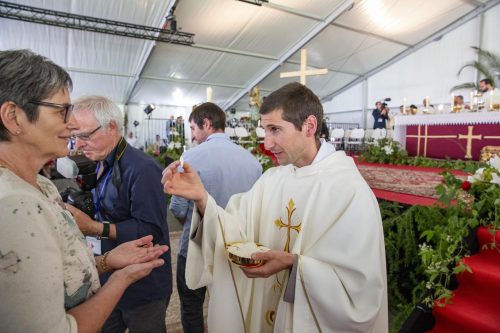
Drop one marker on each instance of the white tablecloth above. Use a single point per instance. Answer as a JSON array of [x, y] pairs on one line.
[[400, 121]]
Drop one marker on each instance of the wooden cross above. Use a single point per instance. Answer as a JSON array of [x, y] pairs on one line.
[[469, 138], [290, 210], [303, 71]]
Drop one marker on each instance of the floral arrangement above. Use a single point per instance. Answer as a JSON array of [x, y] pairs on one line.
[[387, 151], [384, 151]]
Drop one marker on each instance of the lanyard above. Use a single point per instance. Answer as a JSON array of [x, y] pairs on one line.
[[99, 194]]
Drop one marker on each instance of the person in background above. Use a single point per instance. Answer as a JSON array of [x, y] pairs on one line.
[[132, 140], [458, 101], [491, 95], [158, 145], [49, 279], [129, 204], [379, 116], [325, 270], [225, 169]]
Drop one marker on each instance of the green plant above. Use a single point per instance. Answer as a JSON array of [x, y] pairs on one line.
[[425, 245], [488, 65]]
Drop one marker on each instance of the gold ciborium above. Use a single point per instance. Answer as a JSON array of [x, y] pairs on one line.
[[456, 108], [413, 111], [495, 107], [240, 253]]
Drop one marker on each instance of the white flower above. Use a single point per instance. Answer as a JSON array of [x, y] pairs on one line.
[[477, 177], [177, 145], [170, 145], [495, 162], [495, 179], [388, 150]]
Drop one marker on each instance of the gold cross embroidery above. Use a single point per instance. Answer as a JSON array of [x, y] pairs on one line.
[[290, 210], [425, 136], [469, 138]]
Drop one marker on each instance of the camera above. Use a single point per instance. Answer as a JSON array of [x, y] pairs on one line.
[[81, 169]]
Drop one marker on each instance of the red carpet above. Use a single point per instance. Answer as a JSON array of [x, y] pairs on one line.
[[406, 184], [476, 302]]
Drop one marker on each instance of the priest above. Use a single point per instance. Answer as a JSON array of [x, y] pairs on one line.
[[325, 271]]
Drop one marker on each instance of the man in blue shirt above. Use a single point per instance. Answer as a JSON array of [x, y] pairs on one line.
[[225, 169], [130, 204]]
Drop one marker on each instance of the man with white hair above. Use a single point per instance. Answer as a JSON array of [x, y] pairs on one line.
[[129, 204]]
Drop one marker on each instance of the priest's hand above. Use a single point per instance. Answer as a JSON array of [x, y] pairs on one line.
[[274, 262], [185, 184]]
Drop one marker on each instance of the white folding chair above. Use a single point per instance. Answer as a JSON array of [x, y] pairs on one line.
[[379, 133], [242, 134], [230, 133], [259, 131], [337, 137], [355, 140]]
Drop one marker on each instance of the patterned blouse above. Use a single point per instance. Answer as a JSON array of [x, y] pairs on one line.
[[46, 266]]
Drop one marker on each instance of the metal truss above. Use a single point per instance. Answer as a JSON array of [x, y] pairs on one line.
[[87, 23]]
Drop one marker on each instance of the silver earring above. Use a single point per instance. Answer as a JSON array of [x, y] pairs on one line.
[[18, 132]]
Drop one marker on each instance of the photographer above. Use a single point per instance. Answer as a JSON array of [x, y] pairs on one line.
[[48, 277], [380, 115], [129, 203]]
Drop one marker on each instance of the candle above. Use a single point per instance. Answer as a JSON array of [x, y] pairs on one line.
[[258, 123], [209, 94], [491, 99], [426, 102], [472, 100], [452, 103], [404, 105]]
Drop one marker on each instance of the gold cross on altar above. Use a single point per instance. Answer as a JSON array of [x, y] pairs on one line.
[[303, 71], [290, 210], [469, 138]]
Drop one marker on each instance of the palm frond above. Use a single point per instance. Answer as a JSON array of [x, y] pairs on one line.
[[481, 68], [468, 85], [492, 59]]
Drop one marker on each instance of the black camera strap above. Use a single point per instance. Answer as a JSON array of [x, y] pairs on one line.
[[116, 176], [114, 172]]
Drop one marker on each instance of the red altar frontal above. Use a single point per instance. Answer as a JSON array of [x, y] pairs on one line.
[[457, 136]]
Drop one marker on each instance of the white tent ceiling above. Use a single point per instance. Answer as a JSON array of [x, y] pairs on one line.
[[237, 44]]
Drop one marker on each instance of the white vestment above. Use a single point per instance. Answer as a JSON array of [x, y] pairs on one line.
[[340, 283]]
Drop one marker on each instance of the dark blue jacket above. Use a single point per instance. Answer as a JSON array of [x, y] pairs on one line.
[[138, 207]]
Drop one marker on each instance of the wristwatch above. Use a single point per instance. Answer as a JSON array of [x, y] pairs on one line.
[[105, 230]]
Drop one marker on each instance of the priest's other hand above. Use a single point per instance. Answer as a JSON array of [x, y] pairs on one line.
[[185, 184], [274, 262]]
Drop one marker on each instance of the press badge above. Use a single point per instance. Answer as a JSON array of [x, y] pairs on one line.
[[95, 245]]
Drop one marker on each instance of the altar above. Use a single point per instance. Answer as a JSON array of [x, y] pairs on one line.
[[453, 135]]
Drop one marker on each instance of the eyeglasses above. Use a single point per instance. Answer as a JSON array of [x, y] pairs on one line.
[[86, 136], [68, 108]]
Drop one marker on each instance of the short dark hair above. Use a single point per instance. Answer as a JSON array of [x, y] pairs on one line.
[[487, 81], [297, 102], [26, 76], [209, 111]]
